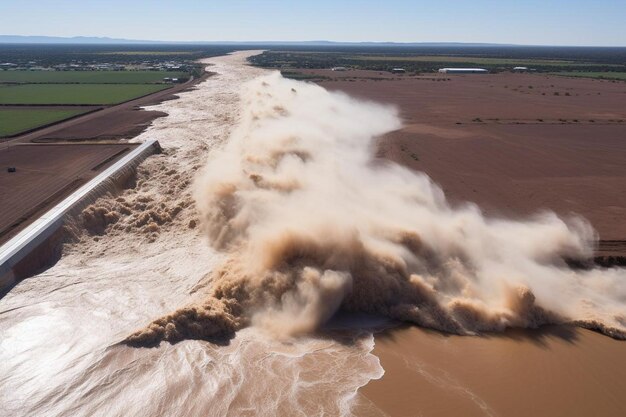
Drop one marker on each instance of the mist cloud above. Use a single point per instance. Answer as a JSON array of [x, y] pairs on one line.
[[312, 223]]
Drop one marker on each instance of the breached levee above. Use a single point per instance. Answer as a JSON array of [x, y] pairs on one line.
[[309, 223]]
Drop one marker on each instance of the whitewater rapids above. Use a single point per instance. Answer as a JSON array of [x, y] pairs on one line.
[[60, 351], [202, 290]]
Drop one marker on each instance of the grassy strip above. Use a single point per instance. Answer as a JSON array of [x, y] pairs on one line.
[[589, 74], [13, 122], [86, 94], [89, 77]]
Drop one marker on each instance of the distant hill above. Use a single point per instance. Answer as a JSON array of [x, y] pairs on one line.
[[112, 41], [73, 40]]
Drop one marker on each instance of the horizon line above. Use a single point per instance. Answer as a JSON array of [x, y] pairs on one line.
[[106, 40]]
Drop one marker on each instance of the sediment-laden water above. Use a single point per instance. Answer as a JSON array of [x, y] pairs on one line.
[[142, 257], [206, 288]]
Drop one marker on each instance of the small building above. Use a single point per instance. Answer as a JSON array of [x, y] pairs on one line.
[[339, 69], [463, 71], [398, 71]]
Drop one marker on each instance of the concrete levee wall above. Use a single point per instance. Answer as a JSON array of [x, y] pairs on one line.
[[36, 245]]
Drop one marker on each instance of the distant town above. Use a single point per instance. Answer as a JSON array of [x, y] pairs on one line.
[[97, 66]]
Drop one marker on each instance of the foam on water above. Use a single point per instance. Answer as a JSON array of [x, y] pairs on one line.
[[288, 222], [60, 351]]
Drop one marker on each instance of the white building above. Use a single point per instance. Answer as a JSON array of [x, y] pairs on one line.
[[463, 71]]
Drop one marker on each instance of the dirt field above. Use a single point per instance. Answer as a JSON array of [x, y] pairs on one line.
[[123, 124], [509, 143], [45, 174]]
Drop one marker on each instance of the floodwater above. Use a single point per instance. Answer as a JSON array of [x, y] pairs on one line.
[[552, 371], [62, 350]]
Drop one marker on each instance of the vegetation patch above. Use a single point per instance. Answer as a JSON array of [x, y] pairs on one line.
[[14, 121], [295, 75], [90, 77], [493, 59], [80, 94]]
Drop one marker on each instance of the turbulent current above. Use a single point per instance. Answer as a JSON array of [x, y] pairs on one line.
[[202, 290], [61, 331]]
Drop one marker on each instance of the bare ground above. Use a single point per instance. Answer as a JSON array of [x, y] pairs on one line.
[[509, 144], [45, 174]]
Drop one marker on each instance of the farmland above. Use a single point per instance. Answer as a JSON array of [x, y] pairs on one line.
[[511, 142], [13, 121], [79, 94], [80, 89], [67, 111], [430, 59], [31, 89], [36, 80], [89, 77], [449, 59], [45, 175], [474, 60]]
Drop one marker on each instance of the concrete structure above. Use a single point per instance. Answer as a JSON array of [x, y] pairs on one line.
[[32, 249], [463, 71]]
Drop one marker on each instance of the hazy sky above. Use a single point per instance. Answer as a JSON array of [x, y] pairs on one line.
[[539, 22]]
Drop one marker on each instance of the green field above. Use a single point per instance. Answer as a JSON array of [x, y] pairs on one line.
[[37, 94], [89, 77], [148, 53], [16, 121], [588, 74]]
